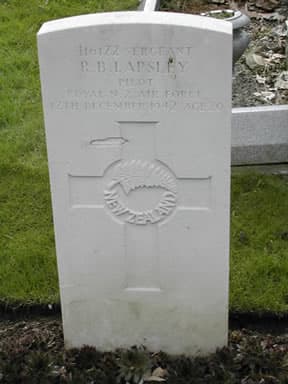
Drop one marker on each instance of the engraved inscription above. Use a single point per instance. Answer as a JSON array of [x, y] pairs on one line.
[[138, 66], [136, 76], [110, 59], [132, 175], [135, 51]]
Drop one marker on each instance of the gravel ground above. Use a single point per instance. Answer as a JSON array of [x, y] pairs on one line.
[[258, 85], [31, 351], [257, 73]]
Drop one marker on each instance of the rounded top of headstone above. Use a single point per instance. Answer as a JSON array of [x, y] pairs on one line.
[[134, 17]]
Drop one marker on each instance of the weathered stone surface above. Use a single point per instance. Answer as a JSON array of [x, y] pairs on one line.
[[137, 115]]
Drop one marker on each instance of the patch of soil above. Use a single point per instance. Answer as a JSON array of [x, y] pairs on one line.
[[32, 351], [258, 75]]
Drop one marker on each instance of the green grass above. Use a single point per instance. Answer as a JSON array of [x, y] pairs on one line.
[[259, 231], [259, 243], [27, 256]]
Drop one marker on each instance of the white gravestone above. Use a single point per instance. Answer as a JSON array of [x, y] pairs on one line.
[[137, 115]]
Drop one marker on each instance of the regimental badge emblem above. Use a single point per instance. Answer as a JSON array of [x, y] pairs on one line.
[[130, 177]]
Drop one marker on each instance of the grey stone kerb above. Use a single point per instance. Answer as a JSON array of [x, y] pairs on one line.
[[260, 135]]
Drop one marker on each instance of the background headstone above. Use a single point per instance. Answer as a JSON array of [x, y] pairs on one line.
[[137, 114]]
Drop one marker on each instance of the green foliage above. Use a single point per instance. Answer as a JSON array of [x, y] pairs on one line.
[[27, 256], [134, 364], [259, 246], [27, 263]]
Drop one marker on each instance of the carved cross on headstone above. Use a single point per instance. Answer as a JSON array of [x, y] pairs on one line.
[[141, 192]]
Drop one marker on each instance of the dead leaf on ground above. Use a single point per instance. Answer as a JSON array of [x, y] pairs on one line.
[[282, 81], [274, 16], [253, 60], [280, 30], [217, 1], [267, 5], [158, 375], [271, 16], [265, 95], [154, 379], [260, 79]]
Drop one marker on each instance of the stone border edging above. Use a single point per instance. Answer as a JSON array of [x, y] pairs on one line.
[[260, 135]]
